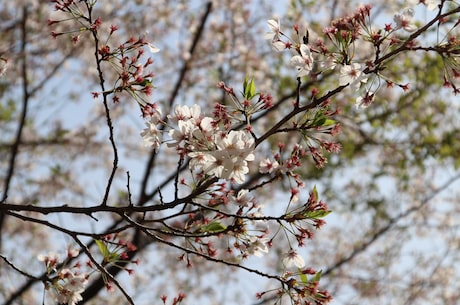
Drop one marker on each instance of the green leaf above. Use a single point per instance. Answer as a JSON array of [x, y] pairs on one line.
[[315, 193], [319, 121], [329, 122], [112, 257], [213, 227], [316, 214], [303, 277], [103, 248], [317, 276], [249, 88]]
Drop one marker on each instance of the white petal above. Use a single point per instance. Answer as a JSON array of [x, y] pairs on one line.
[[153, 48]]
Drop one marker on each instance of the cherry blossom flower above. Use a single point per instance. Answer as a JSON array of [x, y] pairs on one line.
[[292, 258], [227, 166], [51, 260], [183, 132], [68, 290], [352, 75], [204, 132], [275, 34], [365, 101], [185, 113], [267, 166], [72, 252], [151, 134], [329, 64], [151, 109], [201, 160], [275, 28], [243, 198], [404, 20], [303, 62], [229, 158], [258, 246]]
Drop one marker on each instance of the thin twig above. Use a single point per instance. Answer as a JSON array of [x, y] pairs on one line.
[[19, 270]]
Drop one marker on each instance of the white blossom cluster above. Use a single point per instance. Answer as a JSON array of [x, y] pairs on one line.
[[213, 150], [67, 284]]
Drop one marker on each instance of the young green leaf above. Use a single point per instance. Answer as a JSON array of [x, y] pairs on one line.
[[103, 248], [213, 227], [249, 88], [316, 214], [315, 193], [317, 276], [303, 277]]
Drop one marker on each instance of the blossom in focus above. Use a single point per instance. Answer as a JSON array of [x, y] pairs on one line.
[[185, 113], [68, 290], [229, 158], [183, 132], [292, 258], [352, 74], [303, 62], [404, 20]]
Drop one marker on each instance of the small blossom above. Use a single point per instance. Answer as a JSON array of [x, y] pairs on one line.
[[68, 290], [292, 258], [404, 20], [185, 113], [328, 64], [51, 260], [243, 198], [267, 166], [72, 252], [274, 35], [364, 101], [352, 75], [303, 62], [258, 246], [113, 28], [228, 160], [184, 131], [275, 28], [151, 134]]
